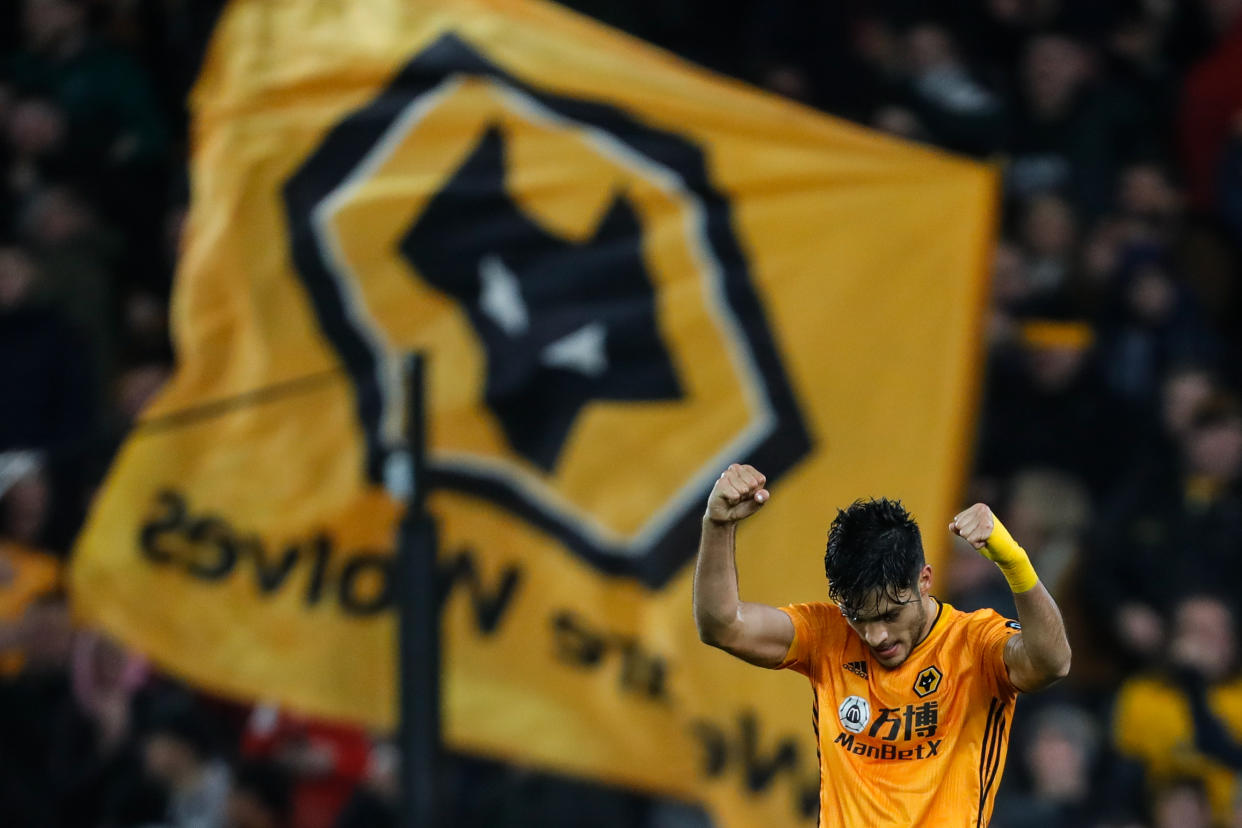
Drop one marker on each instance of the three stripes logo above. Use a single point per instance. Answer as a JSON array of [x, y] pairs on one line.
[[858, 668], [575, 276]]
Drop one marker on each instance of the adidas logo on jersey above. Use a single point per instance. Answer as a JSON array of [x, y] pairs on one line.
[[858, 668]]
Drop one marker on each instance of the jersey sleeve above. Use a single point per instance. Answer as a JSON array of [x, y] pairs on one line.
[[992, 632], [812, 626]]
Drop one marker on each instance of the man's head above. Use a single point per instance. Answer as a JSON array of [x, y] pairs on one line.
[[1056, 353], [1204, 637], [878, 577], [1054, 69], [1213, 443], [1181, 803], [1183, 391], [1050, 229], [930, 47], [26, 506], [1060, 753], [50, 23]]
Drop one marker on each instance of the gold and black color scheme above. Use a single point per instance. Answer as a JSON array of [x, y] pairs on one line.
[[928, 681], [626, 273]]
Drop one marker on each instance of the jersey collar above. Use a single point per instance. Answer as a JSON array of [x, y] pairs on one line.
[[936, 625]]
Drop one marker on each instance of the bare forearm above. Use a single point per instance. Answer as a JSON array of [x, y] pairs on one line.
[[755, 633], [716, 600], [1041, 654], [1044, 643]]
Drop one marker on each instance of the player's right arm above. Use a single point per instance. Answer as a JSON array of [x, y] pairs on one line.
[[756, 633]]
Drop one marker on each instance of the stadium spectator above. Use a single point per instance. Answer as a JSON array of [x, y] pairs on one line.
[[1186, 389], [106, 96], [1060, 761], [115, 135], [899, 121], [956, 110], [46, 381], [46, 386], [1070, 133], [76, 257], [1149, 203], [1182, 803], [1049, 234], [1150, 322], [1155, 722], [36, 133], [179, 754], [1045, 405], [823, 54], [1168, 535], [25, 505], [1012, 291]]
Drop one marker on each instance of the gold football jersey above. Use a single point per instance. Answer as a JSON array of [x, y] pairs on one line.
[[923, 744]]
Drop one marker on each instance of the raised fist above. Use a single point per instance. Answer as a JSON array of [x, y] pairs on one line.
[[738, 494], [975, 525]]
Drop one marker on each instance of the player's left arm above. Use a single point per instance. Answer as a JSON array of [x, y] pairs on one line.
[[1040, 654]]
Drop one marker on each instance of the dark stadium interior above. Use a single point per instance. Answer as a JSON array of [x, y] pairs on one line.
[[1110, 430]]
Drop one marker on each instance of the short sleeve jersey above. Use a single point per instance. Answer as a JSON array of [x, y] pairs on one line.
[[923, 744]]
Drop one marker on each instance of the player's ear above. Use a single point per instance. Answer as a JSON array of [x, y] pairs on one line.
[[925, 580]]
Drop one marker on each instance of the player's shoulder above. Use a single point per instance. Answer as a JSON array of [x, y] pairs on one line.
[[818, 610], [819, 616], [978, 623]]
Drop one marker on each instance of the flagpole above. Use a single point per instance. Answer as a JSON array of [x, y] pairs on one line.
[[418, 624]]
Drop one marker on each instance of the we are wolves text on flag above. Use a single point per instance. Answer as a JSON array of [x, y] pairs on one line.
[[628, 273]]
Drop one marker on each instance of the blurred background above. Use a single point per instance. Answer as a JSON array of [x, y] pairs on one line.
[[1109, 434]]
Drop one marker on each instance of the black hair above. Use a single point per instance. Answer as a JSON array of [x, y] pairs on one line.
[[874, 549]]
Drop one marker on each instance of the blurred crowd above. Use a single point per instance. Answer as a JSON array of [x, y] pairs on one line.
[[1110, 435]]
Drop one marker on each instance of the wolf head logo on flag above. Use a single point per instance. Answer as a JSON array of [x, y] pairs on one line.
[[566, 242]]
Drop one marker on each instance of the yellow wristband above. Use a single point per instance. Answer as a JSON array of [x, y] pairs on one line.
[[1012, 559]]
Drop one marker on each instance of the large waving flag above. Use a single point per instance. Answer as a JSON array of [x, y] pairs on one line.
[[627, 273]]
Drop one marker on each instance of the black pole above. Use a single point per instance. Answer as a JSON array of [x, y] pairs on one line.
[[418, 628]]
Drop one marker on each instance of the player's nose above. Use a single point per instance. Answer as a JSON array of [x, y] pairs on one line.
[[876, 636]]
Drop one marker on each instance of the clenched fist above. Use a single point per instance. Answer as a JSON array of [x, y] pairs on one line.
[[975, 525], [738, 494]]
